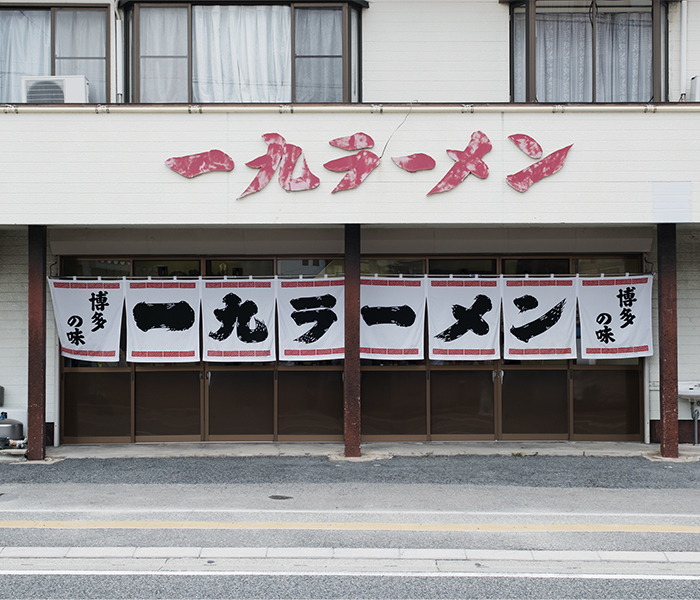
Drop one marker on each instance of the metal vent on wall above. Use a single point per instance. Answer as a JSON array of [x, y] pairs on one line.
[[55, 89], [45, 92]]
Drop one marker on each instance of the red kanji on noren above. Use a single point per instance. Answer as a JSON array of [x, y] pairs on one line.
[[468, 161]]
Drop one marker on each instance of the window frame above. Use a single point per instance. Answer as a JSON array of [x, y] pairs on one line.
[[53, 9], [133, 42], [659, 52]]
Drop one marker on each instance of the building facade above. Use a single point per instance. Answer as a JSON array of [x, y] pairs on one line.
[[498, 138]]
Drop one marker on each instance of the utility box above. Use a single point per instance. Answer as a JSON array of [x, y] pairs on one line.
[[689, 390], [9, 428], [63, 89]]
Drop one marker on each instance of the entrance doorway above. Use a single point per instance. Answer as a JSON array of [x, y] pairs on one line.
[[401, 400]]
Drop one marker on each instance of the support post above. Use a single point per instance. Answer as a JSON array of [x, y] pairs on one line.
[[36, 377], [352, 415], [668, 339]]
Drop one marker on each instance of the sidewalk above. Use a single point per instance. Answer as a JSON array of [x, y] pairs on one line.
[[337, 554], [370, 450]]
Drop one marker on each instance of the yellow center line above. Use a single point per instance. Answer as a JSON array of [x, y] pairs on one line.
[[356, 526]]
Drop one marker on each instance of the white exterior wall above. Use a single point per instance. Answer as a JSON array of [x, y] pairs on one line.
[[14, 339], [688, 294], [83, 168], [62, 168], [436, 51]]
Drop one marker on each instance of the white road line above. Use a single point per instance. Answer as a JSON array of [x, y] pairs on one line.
[[543, 513], [394, 575]]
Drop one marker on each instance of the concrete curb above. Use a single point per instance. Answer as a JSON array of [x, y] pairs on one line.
[[468, 554], [370, 450]]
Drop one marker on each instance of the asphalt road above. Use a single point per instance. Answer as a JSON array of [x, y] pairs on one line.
[[349, 587], [517, 471], [526, 527]]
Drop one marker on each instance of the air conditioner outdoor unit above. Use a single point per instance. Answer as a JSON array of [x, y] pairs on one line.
[[63, 89]]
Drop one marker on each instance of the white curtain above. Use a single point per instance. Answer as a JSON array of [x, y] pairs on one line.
[[88, 318], [311, 316], [392, 318], [564, 52], [318, 44], [615, 316], [25, 49], [518, 58], [564, 57], [162, 321], [464, 318], [241, 54], [624, 66], [354, 56], [539, 318], [163, 60], [81, 48], [238, 320]]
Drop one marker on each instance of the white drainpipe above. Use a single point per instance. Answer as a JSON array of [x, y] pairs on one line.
[[647, 403], [684, 44]]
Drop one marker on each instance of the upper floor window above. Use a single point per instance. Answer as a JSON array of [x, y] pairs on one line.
[[244, 53], [583, 51], [55, 41]]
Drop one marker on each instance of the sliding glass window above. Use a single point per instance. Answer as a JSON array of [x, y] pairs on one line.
[[600, 51], [268, 53], [45, 43]]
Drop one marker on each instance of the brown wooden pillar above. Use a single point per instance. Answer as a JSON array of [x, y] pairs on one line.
[[668, 339], [352, 415], [36, 378]]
